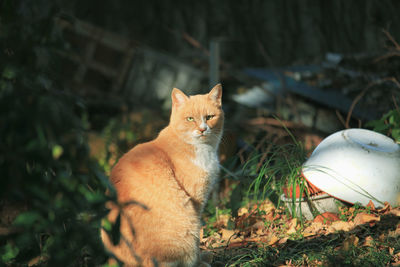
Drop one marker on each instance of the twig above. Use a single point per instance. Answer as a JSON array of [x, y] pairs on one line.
[[360, 95], [388, 55], [274, 122], [241, 153], [353, 104], [195, 43], [340, 117], [394, 80], [395, 51], [265, 138], [390, 37], [265, 154]]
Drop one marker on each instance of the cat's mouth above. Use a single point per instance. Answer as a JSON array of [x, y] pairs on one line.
[[201, 136]]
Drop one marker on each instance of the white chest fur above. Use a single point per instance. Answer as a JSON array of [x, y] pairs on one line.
[[207, 159]]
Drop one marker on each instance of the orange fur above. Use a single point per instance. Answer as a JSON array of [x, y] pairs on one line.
[[172, 176]]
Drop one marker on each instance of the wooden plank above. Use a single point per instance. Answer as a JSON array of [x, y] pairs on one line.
[[109, 39], [98, 37]]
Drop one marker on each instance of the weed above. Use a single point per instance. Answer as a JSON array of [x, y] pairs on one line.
[[347, 213], [388, 124], [282, 168]]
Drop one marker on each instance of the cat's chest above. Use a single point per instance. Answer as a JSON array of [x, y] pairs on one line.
[[206, 159]]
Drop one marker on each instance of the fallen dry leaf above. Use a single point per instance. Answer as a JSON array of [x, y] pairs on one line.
[[352, 210], [258, 225], [308, 234], [273, 240], [291, 230], [201, 234], [340, 226], [267, 206], [371, 205], [288, 263], [283, 240], [313, 229], [395, 212], [394, 233], [292, 226], [362, 218], [242, 211], [382, 237], [277, 216], [396, 259], [222, 220], [254, 239], [260, 231], [326, 218], [386, 208], [226, 234], [245, 221], [216, 245], [348, 212], [211, 241], [34, 261], [269, 216], [368, 242]]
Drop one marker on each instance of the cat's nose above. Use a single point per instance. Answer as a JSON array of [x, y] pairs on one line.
[[202, 127]]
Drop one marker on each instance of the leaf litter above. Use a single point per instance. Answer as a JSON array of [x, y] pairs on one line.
[[262, 225]]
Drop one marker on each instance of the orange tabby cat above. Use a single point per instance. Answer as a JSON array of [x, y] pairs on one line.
[[172, 177]]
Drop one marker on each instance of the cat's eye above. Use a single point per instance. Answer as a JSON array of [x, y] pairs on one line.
[[209, 117], [190, 119]]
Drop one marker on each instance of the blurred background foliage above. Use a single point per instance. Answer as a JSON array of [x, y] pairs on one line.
[[51, 191], [288, 31], [52, 185]]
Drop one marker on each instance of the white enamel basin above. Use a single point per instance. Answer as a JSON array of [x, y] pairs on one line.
[[356, 165]]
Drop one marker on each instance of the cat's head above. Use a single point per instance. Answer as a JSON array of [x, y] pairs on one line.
[[198, 119]]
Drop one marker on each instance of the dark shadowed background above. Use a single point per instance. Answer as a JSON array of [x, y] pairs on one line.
[[83, 81]]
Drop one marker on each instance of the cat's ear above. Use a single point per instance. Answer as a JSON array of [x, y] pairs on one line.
[[178, 97], [216, 94]]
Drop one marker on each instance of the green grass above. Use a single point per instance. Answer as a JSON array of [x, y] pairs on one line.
[[320, 251], [264, 176], [281, 168]]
